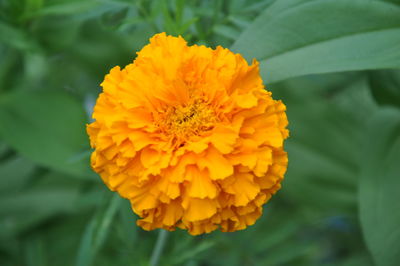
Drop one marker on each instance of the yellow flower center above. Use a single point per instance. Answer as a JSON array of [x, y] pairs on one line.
[[188, 120]]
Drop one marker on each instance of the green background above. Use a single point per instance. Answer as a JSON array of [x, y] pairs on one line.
[[335, 64]]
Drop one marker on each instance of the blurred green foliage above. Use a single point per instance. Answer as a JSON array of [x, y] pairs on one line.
[[339, 204]]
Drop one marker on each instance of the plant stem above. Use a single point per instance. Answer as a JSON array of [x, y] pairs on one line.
[[158, 248]]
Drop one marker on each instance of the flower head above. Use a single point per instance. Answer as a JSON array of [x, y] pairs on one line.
[[190, 136]]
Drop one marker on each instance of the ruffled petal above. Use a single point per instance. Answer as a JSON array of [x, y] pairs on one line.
[[190, 137]]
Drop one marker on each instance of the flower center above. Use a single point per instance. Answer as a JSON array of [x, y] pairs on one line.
[[188, 120]]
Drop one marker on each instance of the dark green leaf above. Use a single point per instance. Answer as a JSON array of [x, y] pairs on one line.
[[48, 127], [35, 251], [96, 233], [385, 86], [15, 37], [191, 253], [26, 209], [379, 196], [14, 172], [67, 8], [226, 31], [298, 37], [324, 144]]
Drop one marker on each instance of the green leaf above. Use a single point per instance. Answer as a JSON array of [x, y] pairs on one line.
[[287, 253], [23, 210], [3, 150], [241, 22], [67, 8], [259, 5], [96, 233], [14, 173], [127, 228], [16, 37], [385, 86], [323, 148], [47, 127], [298, 37], [226, 31], [379, 185], [35, 251], [187, 254]]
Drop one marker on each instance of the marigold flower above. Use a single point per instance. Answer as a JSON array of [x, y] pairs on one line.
[[189, 135]]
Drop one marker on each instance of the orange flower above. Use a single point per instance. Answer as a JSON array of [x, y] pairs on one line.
[[189, 135]]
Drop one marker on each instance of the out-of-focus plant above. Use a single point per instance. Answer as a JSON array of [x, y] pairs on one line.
[[333, 62]]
